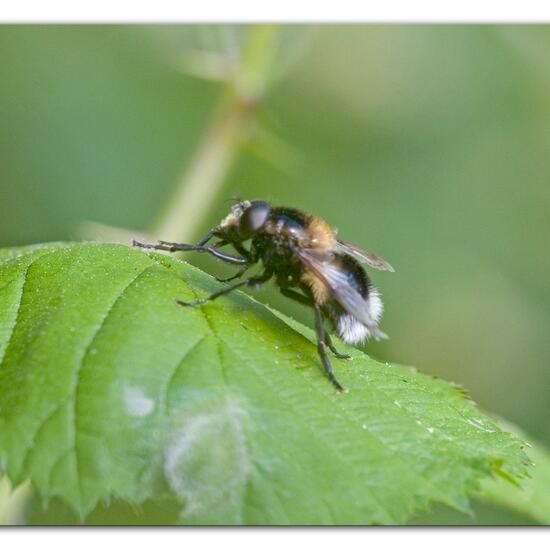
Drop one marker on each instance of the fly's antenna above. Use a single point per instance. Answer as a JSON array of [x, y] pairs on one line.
[[234, 200]]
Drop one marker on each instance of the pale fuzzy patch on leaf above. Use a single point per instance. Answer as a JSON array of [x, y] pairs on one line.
[[207, 463], [137, 402]]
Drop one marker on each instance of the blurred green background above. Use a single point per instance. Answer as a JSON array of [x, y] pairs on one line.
[[427, 144]]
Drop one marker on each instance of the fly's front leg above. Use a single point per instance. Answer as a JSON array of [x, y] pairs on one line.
[[182, 247], [321, 338], [251, 258], [174, 247], [248, 254], [252, 282], [169, 247]]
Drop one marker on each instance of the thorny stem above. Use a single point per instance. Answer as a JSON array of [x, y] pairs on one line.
[[231, 126]]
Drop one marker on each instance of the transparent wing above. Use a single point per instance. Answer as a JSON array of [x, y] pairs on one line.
[[370, 258], [337, 282]]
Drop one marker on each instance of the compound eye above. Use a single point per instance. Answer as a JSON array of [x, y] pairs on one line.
[[253, 218]]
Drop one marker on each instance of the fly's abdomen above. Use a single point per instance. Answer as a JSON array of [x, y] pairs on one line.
[[350, 329]]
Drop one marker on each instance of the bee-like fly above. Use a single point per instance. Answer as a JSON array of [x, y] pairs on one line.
[[310, 265]]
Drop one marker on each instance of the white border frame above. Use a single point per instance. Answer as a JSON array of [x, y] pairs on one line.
[[292, 11]]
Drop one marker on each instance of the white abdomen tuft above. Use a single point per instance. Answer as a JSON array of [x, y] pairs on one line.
[[352, 331]]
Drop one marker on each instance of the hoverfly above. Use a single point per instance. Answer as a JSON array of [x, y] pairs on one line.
[[309, 263]]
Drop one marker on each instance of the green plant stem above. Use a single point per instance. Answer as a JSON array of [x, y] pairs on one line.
[[230, 128]]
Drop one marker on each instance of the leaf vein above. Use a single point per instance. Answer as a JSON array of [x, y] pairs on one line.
[[41, 426], [166, 388], [78, 372], [17, 315]]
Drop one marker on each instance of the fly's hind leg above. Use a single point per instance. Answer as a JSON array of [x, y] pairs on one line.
[[321, 339], [328, 342], [305, 300]]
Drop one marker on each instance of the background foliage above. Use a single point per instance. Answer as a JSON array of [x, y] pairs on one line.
[[429, 145]]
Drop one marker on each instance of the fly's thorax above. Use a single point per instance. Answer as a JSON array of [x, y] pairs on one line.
[[284, 230], [287, 224], [293, 228], [276, 252]]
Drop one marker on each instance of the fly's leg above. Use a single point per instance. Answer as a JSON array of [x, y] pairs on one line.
[[297, 297], [306, 301], [239, 273], [181, 247], [328, 342], [321, 338], [173, 247], [249, 255], [205, 239], [252, 282], [244, 252]]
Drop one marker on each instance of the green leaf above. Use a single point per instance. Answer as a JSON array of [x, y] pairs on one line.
[[532, 497], [108, 389]]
